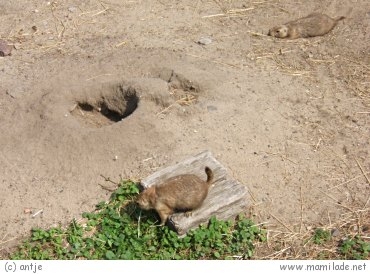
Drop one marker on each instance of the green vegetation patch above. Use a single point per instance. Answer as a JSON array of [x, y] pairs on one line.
[[321, 236], [118, 229], [355, 249]]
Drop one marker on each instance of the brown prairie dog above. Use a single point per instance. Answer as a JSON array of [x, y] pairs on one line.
[[183, 192], [315, 24]]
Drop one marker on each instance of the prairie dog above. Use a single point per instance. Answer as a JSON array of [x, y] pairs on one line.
[[183, 192], [315, 24]]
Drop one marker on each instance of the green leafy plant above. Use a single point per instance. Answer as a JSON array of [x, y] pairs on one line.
[[321, 236], [355, 248], [118, 229]]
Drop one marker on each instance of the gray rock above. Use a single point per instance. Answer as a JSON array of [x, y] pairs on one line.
[[335, 232], [72, 9], [5, 49], [211, 108], [204, 41]]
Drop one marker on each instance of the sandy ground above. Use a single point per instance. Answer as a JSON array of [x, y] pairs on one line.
[[289, 118]]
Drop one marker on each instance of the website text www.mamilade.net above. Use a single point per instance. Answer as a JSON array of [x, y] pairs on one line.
[[328, 266]]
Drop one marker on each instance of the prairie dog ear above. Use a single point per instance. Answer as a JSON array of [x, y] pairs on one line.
[[151, 193]]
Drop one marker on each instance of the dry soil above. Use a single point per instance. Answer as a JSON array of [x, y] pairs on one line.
[[124, 88]]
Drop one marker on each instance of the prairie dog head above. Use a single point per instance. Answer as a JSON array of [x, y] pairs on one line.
[[279, 31], [146, 199]]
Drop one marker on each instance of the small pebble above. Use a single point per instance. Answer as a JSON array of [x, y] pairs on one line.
[[335, 232], [27, 211], [211, 108], [72, 9], [204, 41], [5, 49]]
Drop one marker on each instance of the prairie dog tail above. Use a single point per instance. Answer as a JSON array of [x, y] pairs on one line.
[[209, 173], [339, 18]]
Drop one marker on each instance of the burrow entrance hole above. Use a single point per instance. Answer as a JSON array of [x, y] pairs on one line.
[[107, 109]]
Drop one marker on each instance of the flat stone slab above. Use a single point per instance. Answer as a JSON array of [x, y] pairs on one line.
[[225, 200]]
